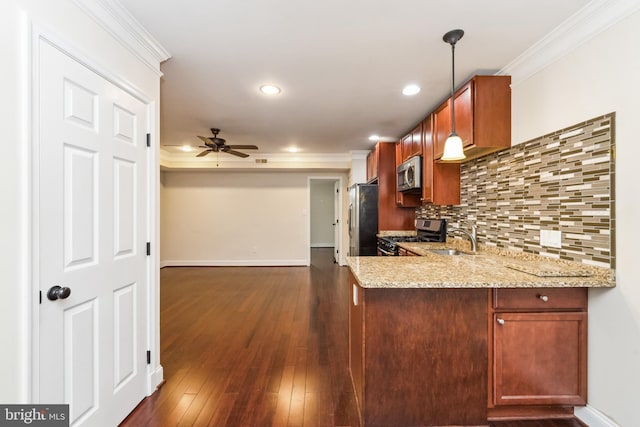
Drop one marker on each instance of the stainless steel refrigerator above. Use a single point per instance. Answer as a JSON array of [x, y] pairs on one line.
[[363, 219]]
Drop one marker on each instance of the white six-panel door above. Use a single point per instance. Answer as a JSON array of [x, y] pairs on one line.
[[92, 211]]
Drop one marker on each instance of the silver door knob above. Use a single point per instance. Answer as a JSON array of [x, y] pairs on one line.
[[500, 321], [58, 292]]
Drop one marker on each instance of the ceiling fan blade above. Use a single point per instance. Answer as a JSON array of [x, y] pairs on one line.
[[207, 141], [204, 153], [243, 147], [236, 153]]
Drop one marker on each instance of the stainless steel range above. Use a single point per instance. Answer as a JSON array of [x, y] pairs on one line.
[[427, 230]]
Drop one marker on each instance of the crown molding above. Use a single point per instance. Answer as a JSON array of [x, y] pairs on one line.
[[585, 24], [114, 18]]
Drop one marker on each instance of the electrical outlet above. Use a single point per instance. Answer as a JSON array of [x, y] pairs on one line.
[[551, 238]]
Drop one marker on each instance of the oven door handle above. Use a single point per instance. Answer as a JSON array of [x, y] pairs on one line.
[[386, 252]]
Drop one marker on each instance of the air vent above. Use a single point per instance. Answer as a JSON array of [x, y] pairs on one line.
[[261, 160]]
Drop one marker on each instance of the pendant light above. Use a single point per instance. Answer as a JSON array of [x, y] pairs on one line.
[[453, 145]]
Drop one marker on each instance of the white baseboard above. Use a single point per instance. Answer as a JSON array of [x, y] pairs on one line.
[[236, 263], [592, 417], [322, 245], [163, 264], [154, 379]]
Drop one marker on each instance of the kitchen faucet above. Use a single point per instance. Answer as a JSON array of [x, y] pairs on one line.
[[473, 236]]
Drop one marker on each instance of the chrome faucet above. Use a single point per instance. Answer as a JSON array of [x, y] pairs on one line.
[[473, 236]]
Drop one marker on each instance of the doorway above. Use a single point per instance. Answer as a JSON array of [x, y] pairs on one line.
[[325, 214]]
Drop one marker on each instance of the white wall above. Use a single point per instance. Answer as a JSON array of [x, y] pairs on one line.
[[599, 77], [322, 213], [235, 218], [67, 23]]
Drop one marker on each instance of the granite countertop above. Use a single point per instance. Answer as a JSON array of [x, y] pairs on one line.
[[488, 268]]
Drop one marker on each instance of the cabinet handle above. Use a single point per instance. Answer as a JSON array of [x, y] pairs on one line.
[[500, 321], [544, 298], [355, 294]]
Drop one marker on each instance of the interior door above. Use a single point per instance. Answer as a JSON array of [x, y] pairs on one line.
[[91, 240]]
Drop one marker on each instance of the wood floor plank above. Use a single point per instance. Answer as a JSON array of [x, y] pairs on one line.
[[246, 346]]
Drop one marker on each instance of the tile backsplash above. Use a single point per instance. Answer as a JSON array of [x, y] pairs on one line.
[[561, 181]]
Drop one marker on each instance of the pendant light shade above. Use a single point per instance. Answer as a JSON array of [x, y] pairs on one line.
[[453, 145], [453, 148]]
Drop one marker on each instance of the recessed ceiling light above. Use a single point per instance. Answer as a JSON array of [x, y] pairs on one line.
[[374, 138], [293, 149], [410, 90], [186, 148], [270, 89]]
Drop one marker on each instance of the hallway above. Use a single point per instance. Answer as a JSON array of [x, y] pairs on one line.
[[253, 346]]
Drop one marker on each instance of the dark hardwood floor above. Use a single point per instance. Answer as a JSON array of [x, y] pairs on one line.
[[253, 346], [258, 347]]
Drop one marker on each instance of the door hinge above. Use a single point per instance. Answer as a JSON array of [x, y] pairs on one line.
[[40, 297], [148, 357], [148, 248], [337, 221], [148, 140]]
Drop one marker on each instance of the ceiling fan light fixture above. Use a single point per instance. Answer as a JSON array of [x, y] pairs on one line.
[[453, 145], [270, 89], [411, 90]]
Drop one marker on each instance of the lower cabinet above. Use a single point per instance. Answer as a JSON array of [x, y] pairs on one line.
[[418, 356], [538, 362]]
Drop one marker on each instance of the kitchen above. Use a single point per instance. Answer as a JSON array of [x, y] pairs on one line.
[[583, 84]]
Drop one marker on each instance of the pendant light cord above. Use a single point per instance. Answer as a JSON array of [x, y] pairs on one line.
[[453, 68]]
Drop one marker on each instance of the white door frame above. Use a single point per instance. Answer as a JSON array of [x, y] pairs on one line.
[[341, 224], [154, 374]]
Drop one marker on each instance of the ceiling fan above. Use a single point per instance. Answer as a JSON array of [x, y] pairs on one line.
[[218, 144]]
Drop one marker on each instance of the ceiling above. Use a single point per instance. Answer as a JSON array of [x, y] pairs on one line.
[[341, 64]]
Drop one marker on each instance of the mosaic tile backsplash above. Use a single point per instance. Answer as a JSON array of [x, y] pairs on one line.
[[562, 181]]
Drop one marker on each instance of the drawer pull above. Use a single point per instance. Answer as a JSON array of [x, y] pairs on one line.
[[500, 321], [544, 298]]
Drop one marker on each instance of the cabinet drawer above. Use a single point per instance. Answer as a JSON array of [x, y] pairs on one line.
[[540, 299]]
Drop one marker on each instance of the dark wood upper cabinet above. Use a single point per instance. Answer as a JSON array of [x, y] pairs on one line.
[[416, 142], [440, 181], [411, 144], [372, 165], [405, 200], [482, 117], [392, 214]]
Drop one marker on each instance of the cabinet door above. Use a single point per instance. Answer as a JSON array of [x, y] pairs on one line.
[[406, 144], [356, 339], [464, 113], [440, 181], [441, 128], [427, 159], [540, 358], [416, 142], [372, 164]]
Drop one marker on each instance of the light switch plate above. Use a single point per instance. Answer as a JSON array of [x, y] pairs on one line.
[[551, 238]]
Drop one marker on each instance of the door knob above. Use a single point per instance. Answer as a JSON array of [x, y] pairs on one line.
[[58, 292]]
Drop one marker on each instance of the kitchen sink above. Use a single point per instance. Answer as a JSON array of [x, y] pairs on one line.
[[449, 252]]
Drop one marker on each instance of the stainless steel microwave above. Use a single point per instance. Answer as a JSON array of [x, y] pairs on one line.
[[410, 174]]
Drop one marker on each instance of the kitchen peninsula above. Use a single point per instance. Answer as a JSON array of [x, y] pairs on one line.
[[424, 349]]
